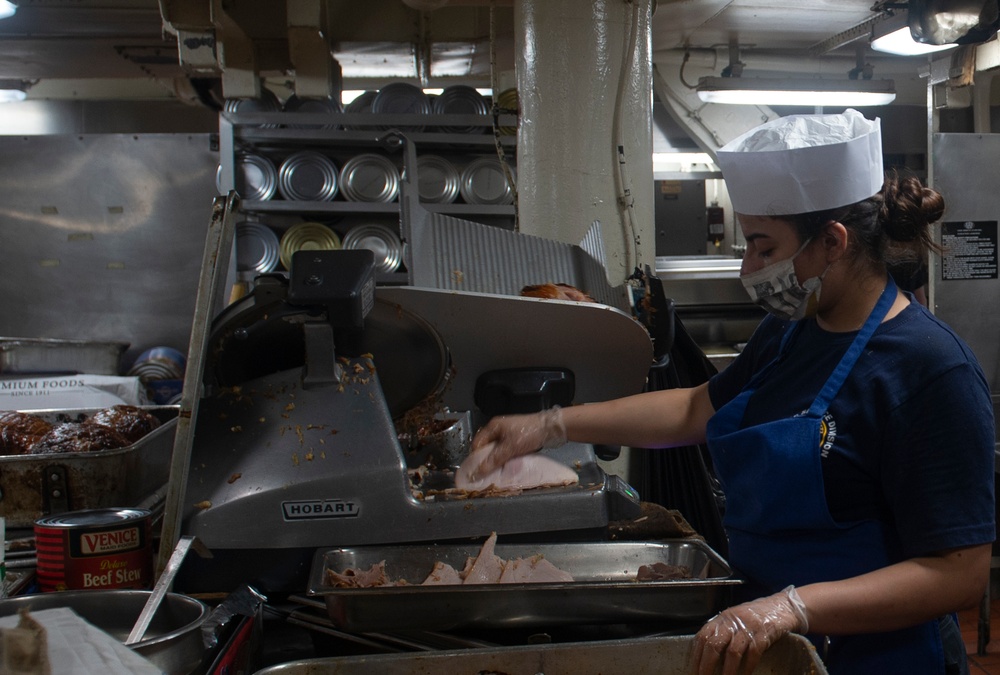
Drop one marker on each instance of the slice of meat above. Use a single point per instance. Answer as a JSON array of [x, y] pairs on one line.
[[488, 566], [355, 578], [520, 473], [556, 292], [661, 571], [443, 574], [533, 570]]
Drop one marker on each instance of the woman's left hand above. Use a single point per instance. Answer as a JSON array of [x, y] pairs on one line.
[[737, 637]]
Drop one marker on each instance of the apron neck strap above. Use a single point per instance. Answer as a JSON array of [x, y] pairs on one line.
[[850, 358]]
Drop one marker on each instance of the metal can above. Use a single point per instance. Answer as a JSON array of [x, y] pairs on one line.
[[159, 363], [94, 549]]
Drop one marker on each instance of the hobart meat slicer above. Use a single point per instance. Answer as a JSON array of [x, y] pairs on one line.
[[310, 383]]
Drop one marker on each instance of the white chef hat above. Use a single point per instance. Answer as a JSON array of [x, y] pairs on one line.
[[803, 163]]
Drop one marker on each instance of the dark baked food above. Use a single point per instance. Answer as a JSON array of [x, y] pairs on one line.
[[19, 431], [78, 437], [131, 422]]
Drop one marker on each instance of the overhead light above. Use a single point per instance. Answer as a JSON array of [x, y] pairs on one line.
[[13, 90], [7, 9], [12, 95], [797, 91], [893, 36]]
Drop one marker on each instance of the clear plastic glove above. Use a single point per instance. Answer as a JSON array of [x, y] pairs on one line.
[[737, 637], [509, 436]]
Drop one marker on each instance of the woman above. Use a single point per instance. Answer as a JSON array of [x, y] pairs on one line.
[[854, 434]]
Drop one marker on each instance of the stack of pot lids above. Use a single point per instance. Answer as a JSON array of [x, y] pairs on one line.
[[380, 240], [307, 237], [308, 176], [402, 98], [507, 101], [267, 102], [437, 179], [483, 182], [256, 248], [256, 177], [369, 177], [326, 106], [460, 99]]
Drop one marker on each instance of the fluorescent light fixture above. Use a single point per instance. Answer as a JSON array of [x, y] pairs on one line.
[[901, 43], [7, 9], [12, 95], [788, 91]]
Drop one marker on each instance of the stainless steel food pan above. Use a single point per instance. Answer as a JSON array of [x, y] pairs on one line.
[[792, 655], [42, 355], [32, 486], [604, 589]]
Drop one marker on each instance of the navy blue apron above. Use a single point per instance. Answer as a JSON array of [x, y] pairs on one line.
[[780, 529]]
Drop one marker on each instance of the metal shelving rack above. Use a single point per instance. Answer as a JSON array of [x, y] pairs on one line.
[[264, 132]]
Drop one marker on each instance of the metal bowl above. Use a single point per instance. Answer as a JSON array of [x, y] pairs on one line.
[[173, 641]]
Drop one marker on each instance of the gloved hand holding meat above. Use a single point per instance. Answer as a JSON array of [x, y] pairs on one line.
[[507, 437], [738, 636]]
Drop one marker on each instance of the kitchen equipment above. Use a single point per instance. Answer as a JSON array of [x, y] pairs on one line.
[[296, 444], [33, 486], [604, 587], [173, 641], [46, 355], [792, 655], [163, 585]]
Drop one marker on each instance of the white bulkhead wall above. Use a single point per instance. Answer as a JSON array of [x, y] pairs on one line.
[[584, 75]]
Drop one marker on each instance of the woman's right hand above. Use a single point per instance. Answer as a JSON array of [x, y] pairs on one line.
[[509, 436]]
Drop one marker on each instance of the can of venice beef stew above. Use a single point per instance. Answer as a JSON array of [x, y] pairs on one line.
[[94, 549]]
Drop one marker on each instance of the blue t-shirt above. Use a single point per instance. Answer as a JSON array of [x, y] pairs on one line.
[[908, 440]]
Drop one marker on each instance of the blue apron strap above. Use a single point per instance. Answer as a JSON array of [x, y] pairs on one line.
[[843, 369]]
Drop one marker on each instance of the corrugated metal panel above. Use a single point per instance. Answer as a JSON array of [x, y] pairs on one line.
[[450, 253]]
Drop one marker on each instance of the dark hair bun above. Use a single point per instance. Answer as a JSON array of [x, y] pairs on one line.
[[908, 208]]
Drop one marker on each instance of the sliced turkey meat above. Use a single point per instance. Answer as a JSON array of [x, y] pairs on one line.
[[533, 570], [520, 473], [488, 566], [443, 574]]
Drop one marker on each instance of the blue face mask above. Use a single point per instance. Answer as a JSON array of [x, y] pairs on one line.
[[776, 288]]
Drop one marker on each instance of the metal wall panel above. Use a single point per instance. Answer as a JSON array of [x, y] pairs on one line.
[[101, 236], [965, 173]]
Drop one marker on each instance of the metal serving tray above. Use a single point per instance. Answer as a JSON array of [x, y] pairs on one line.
[[792, 655], [604, 589], [32, 486]]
